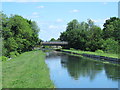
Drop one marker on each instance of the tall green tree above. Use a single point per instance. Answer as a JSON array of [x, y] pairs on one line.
[[74, 24], [84, 35], [19, 34], [94, 38], [112, 28]]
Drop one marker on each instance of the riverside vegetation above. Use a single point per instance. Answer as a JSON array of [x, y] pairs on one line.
[[23, 67], [97, 52], [87, 36]]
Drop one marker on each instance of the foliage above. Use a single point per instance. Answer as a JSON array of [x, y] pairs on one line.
[[19, 34], [89, 37], [99, 51], [72, 49], [14, 54], [93, 53], [110, 46], [52, 39], [84, 36], [3, 58], [112, 28]]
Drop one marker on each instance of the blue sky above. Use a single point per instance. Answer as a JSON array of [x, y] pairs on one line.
[[52, 17]]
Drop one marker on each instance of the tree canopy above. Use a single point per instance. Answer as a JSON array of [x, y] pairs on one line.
[[88, 36], [19, 34]]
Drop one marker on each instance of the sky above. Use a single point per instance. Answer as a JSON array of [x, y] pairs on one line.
[[52, 17]]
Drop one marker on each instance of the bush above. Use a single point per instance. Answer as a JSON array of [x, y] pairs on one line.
[[72, 49], [16, 53], [110, 46], [3, 58], [12, 54], [99, 51]]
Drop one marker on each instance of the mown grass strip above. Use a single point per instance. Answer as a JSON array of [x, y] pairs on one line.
[[0, 75], [28, 70], [93, 53]]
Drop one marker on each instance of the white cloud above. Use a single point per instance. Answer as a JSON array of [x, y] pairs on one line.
[[59, 20], [34, 13], [104, 3], [75, 10], [32, 16], [101, 25], [54, 31], [53, 27], [57, 27], [100, 20], [40, 6]]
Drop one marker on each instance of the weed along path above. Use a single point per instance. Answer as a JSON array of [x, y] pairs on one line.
[[28, 70]]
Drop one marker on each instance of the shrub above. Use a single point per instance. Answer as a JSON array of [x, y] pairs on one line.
[[99, 51], [16, 53], [110, 46], [88, 49], [3, 58], [72, 49], [12, 54]]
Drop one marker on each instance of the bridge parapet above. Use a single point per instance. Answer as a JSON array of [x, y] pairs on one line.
[[54, 43]]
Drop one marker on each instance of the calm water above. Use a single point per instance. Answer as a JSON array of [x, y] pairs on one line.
[[68, 71]]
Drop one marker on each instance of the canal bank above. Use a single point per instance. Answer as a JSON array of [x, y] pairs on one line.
[[28, 70], [103, 57]]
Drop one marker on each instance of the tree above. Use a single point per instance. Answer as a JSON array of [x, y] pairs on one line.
[[110, 46], [93, 38], [83, 36], [52, 39], [74, 24], [112, 28], [19, 34]]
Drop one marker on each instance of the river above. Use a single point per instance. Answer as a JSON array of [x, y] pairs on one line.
[[67, 71]]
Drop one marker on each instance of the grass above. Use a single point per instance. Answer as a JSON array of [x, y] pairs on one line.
[[28, 70], [105, 62], [93, 53], [0, 75]]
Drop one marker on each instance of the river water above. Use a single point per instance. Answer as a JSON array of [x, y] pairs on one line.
[[67, 71]]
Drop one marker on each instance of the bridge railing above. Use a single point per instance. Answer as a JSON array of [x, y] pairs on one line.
[[54, 43]]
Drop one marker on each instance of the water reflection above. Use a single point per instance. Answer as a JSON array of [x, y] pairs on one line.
[[112, 72], [78, 66], [81, 67]]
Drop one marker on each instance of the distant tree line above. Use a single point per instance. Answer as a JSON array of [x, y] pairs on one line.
[[53, 39], [89, 37], [18, 34]]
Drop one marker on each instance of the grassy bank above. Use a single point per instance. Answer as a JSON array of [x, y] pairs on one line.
[[28, 70], [0, 75], [93, 53]]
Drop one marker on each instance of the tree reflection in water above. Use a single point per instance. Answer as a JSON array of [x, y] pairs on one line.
[[85, 67], [80, 66], [112, 72]]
